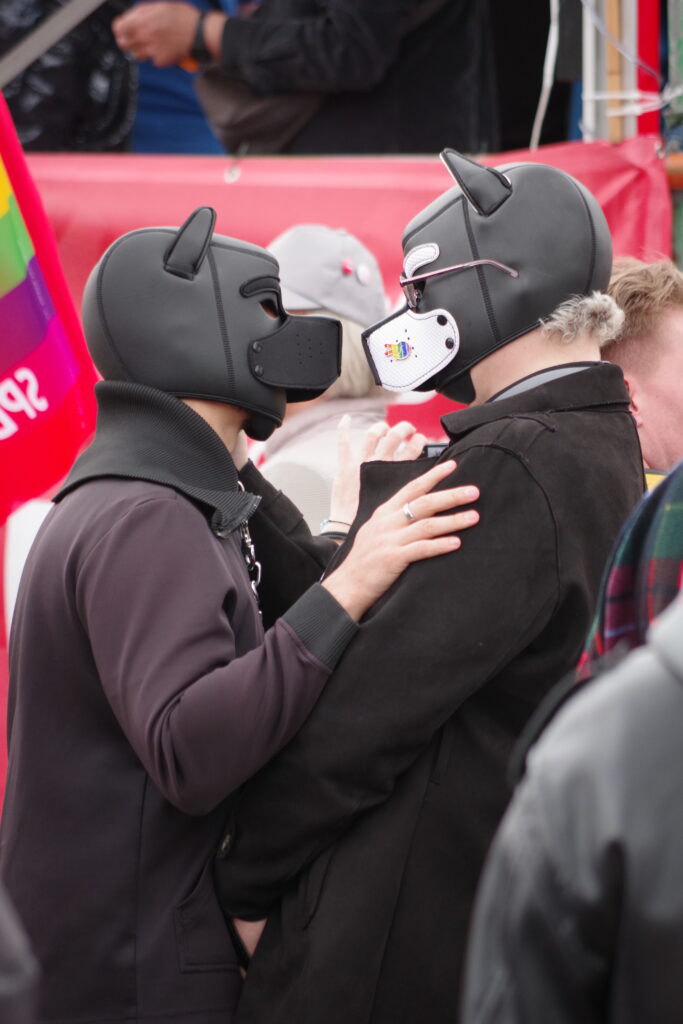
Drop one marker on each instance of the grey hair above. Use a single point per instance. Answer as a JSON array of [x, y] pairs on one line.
[[355, 380], [596, 316]]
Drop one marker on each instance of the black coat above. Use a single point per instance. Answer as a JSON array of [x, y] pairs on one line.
[[363, 840], [580, 915], [388, 87], [19, 973]]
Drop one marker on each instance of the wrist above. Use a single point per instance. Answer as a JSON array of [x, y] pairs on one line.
[[335, 529], [344, 592], [213, 24], [198, 50]]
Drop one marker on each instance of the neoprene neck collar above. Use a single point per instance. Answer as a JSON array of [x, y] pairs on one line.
[[145, 434]]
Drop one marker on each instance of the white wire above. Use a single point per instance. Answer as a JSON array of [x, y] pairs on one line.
[[632, 58], [638, 102], [548, 72], [642, 106]]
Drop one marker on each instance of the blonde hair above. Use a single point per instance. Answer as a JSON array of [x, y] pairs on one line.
[[355, 380], [596, 316], [644, 291]]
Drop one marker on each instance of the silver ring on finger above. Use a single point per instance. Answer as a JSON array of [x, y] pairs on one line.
[[408, 512]]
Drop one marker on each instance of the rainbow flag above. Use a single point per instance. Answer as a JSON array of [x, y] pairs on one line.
[[47, 408], [46, 377]]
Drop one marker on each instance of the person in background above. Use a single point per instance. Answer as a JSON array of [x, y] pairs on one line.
[[394, 77], [78, 96], [143, 688], [327, 272], [361, 843], [169, 118], [649, 350], [579, 916], [643, 577]]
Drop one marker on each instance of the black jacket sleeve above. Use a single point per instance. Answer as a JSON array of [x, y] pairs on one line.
[[338, 46], [291, 557], [434, 639]]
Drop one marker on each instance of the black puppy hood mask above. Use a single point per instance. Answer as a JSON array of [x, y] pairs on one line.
[[199, 315]]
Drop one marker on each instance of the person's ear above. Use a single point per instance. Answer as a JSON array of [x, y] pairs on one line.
[[634, 397]]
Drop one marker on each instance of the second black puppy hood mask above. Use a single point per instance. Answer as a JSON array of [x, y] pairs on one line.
[[484, 264]]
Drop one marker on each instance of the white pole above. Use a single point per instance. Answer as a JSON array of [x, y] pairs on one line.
[[589, 118], [629, 81]]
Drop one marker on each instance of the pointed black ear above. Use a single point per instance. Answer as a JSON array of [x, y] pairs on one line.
[[484, 187], [190, 245]]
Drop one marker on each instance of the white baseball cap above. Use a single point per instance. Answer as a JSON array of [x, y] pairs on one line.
[[328, 268]]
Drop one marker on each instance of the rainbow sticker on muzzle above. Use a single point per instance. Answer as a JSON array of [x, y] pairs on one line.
[[397, 350], [408, 348]]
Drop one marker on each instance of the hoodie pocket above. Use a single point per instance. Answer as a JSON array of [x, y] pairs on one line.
[[202, 936]]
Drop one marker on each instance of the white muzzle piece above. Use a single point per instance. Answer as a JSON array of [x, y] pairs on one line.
[[408, 348]]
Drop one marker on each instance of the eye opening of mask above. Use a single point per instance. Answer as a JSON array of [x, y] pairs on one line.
[[413, 286], [271, 308]]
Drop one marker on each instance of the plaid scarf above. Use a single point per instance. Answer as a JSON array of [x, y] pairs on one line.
[[643, 575]]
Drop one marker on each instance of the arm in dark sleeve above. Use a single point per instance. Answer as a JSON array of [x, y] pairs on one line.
[[291, 557], [349, 46], [438, 635], [537, 949], [159, 604]]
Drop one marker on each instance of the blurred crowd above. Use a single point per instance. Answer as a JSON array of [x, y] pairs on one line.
[[126, 78]]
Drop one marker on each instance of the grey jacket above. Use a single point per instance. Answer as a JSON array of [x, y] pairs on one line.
[[579, 917]]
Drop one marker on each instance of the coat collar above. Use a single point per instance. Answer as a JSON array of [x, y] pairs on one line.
[[145, 434], [598, 384]]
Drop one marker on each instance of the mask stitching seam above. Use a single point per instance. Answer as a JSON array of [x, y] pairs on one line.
[[482, 280], [222, 324]]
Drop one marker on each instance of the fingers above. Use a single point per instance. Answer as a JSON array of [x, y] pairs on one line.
[[371, 440], [129, 34], [392, 444], [346, 483], [421, 550], [438, 535], [158, 31], [411, 448], [422, 484], [126, 26], [344, 446], [441, 501], [394, 438], [439, 526]]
